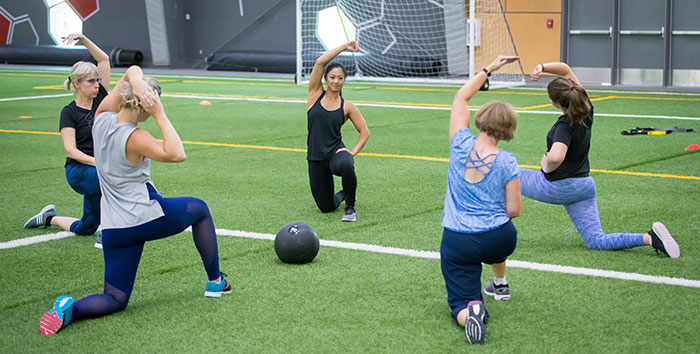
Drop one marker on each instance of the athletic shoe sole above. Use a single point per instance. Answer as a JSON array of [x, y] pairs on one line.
[[475, 328], [52, 321], [349, 218], [669, 243]]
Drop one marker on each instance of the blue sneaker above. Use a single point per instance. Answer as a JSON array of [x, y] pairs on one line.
[[39, 220], [216, 289], [98, 239], [475, 328], [58, 317]]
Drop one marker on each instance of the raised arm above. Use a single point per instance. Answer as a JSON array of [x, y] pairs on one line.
[[141, 143], [134, 76], [556, 68], [459, 117], [315, 84], [103, 67]]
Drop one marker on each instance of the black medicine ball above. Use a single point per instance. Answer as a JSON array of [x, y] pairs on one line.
[[296, 242]]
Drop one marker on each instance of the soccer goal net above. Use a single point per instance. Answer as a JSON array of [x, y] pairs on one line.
[[435, 41]]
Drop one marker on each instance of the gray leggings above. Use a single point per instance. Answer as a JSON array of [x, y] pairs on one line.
[[577, 195]]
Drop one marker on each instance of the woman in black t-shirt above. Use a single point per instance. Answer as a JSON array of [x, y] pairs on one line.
[[564, 178], [90, 83], [327, 155]]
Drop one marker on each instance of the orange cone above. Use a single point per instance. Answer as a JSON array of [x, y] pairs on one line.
[[205, 103], [692, 147]]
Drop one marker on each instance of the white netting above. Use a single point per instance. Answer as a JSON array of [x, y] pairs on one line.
[[413, 40]]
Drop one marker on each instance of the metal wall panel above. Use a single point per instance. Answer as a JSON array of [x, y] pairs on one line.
[[641, 49], [685, 43], [590, 41]]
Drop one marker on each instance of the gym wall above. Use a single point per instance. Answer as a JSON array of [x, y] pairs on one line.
[[535, 41]]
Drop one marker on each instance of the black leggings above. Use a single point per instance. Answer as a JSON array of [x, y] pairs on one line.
[[321, 179]]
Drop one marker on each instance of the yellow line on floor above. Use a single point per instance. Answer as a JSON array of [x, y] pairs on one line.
[[412, 157], [28, 132], [550, 104]]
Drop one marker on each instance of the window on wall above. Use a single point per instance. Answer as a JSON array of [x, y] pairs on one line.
[[62, 20], [334, 28]]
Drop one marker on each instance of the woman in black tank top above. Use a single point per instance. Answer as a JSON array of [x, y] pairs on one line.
[[326, 153]]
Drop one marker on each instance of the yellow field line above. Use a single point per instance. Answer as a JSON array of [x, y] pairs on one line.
[[261, 147], [550, 104], [35, 75], [412, 157], [28, 132]]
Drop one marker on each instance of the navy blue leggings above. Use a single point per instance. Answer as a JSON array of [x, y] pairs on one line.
[[321, 179], [83, 179], [461, 256], [122, 251]]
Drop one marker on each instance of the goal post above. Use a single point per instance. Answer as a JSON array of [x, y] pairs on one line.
[[430, 41]]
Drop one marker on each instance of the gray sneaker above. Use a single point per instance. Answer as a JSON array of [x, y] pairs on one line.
[[39, 220], [349, 214], [662, 241], [98, 239], [499, 292]]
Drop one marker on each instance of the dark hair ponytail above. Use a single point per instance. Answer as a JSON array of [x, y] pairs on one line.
[[571, 97]]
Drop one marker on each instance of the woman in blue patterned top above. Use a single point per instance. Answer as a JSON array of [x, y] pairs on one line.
[[483, 195]]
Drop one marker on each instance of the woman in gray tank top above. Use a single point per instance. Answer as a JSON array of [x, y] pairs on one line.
[[132, 211]]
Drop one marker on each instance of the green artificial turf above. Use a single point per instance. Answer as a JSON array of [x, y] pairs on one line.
[[347, 300]]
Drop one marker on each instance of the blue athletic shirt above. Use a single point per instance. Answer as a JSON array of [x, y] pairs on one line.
[[476, 207]]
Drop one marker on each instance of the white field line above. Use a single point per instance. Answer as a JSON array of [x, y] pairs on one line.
[[424, 107], [367, 105], [34, 97], [554, 268], [35, 239]]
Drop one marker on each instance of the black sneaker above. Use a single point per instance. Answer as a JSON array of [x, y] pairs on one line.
[[349, 214], [475, 328], [662, 241], [499, 292]]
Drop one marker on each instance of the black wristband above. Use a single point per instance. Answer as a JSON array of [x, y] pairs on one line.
[[488, 74]]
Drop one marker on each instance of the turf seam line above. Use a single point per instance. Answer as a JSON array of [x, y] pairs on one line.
[[553, 268]]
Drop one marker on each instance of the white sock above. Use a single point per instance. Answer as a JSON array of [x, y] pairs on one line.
[[500, 281]]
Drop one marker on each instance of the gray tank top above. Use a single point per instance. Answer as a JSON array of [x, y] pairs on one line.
[[125, 201]]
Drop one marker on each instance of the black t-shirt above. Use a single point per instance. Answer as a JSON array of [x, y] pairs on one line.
[[81, 120], [324, 126], [578, 139]]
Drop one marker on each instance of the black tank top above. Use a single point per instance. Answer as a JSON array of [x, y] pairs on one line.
[[324, 137]]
